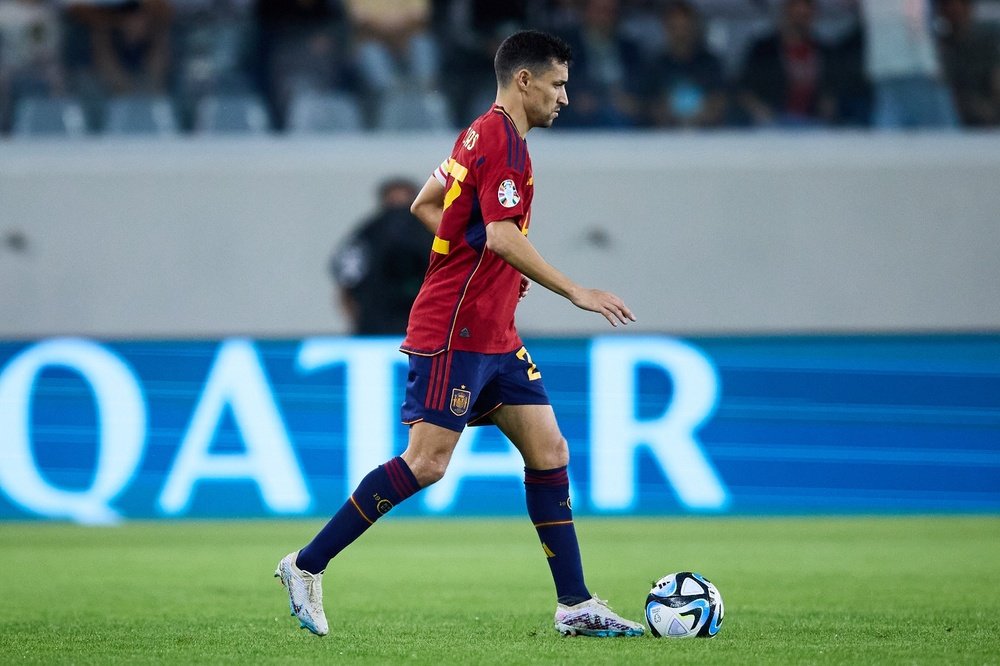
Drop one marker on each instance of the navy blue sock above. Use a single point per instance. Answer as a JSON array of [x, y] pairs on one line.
[[547, 494], [385, 486]]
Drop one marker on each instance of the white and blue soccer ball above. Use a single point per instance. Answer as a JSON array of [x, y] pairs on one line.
[[684, 605]]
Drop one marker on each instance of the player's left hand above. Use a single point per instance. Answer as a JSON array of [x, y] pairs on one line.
[[603, 302], [524, 289]]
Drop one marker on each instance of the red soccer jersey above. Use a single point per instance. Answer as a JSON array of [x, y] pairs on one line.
[[469, 294]]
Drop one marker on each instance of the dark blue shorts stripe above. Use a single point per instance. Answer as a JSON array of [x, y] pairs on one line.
[[456, 389]]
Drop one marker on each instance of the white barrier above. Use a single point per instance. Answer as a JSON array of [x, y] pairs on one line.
[[709, 234]]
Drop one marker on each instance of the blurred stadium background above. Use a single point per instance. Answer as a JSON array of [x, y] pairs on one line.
[[817, 286], [816, 290]]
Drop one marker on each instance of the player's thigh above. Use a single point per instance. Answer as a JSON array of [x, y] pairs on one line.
[[429, 451], [535, 432]]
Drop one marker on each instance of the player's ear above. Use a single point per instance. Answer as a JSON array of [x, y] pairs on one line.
[[523, 79]]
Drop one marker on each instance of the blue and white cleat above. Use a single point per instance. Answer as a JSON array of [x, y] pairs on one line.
[[594, 618], [305, 594]]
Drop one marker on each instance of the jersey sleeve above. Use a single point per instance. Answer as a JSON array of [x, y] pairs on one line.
[[502, 174], [441, 173]]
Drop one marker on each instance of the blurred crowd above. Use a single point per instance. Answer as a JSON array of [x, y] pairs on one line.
[[78, 67]]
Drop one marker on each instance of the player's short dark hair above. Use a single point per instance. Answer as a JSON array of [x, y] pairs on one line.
[[529, 49]]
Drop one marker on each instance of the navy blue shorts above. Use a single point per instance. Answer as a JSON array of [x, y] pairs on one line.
[[458, 388]]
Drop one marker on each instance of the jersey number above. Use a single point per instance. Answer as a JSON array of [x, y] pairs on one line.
[[523, 355]]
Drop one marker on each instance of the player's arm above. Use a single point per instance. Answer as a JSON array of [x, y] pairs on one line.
[[429, 204], [506, 240]]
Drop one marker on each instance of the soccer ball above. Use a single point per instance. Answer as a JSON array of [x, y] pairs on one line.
[[682, 605]]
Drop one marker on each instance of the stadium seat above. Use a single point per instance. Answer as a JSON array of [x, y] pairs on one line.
[[231, 114], [140, 115], [42, 116], [313, 113], [409, 111]]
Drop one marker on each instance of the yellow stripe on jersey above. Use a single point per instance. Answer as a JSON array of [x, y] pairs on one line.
[[457, 170], [453, 192], [441, 246]]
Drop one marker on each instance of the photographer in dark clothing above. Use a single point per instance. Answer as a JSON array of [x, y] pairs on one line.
[[378, 270]]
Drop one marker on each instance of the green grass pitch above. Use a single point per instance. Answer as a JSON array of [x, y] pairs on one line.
[[909, 590]]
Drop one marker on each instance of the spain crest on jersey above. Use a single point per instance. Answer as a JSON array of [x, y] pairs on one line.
[[507, 194], [460, 399]]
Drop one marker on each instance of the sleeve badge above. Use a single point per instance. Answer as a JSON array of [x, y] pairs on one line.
[[507, 194]]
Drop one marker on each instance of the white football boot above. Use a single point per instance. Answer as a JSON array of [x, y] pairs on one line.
[[593, 617], [305, 594]]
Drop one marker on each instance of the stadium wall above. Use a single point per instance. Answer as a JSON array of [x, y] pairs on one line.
[[755, 233]]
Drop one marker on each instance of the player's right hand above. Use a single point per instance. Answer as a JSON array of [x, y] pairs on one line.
[[605, 303], [523, 289]]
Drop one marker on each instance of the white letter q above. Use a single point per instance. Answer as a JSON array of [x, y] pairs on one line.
[[121, 421]]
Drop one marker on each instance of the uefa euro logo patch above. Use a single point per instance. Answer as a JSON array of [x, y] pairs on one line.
[[460, 401], [507, 194]]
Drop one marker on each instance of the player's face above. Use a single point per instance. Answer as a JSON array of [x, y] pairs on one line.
[[546, 95]]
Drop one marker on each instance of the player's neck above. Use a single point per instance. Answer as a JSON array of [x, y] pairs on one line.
[[515, 110]]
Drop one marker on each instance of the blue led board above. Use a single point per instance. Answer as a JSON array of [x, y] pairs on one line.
[[96, 431]]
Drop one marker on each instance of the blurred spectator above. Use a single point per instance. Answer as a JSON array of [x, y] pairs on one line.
[[641, 23], [970, 53], [686, 86], [213, 51], [379, 269], [562, 15], [395, 47], [30, 63], [78, 62], [846, 83], [129, 44], [301, 45], [604, 79], [903, 66], [468, 33], [783, 75], [887, 70]]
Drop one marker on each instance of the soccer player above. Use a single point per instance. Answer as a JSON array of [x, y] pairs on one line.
[[467, 363]]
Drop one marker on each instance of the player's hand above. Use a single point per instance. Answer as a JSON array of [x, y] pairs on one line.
[[605, 303], [525, 287]]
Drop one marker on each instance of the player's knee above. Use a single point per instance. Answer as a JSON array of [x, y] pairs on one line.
[[554, 455], [429, 469], [433, 473], [560, 453]]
